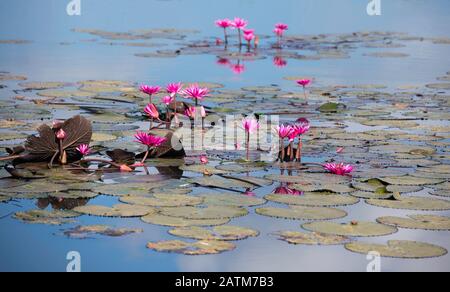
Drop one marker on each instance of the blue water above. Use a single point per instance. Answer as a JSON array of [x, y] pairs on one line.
[[26, 247]]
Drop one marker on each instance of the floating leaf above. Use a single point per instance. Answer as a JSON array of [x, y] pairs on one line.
[[219, 182], [427, 222], [4, 199], [163, 220], [160, 200], [302, 213], [54, 217], [121, 210], [313, 200], [313, 238], [203, 169], [371, 195], [411, 181], [42, 85], [209, 212], [226, 232], [310, 178], [82, 232], [231, 200], [412, 203], [399, 249], [204, 247], [361, 229]]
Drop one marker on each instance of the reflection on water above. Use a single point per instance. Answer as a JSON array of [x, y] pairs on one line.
[[88, 57]]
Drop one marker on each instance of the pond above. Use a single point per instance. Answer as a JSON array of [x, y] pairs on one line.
[[378, 100]]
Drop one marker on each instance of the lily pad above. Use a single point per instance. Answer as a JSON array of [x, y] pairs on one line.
[[4, 199], [160, 200], [203, 247], [412, 203], [135, 189], [399, 249], [54, 217], [225, 232], [313, 238], [219, 182], [302, 213], [361, 229], [387, 55], [158, 219], [204, 169], [231, 200], [426, 222], [209, 212], [371, 195], [120, 210], [411, 181], [310, 178], [82, 232], [42, 85], [313, 200]]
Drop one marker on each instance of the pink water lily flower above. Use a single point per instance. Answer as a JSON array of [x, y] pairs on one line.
[[278, 32], [204, 160], [279, 62], [301, 128], [223, 61], [202, 112], [287, 191], [250, 124], [239, 23], [238, 68], [339, 168], [167, 100], [149, 140], [281, 26], [61, 134], [151, 111], [249, 31], [174, 88], [56, 124], [84, 149], [249, 37], [190, 112], [150, 90], [304, 82], [195, 92], [224, 23], [284, 131]]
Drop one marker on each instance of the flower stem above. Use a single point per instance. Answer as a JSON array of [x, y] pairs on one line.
[[145, 156], [298, 155], [291, 151], [248, 147], [226, 36]]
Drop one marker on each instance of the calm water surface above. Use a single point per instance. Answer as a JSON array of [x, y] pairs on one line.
[[25, 247]]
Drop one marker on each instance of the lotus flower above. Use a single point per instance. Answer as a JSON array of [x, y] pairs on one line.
[[284, 131], [279, 32], [195, 92], [224, 23], [279, 61], [149, 140], [167, 100], [239, 23], [190, 112], [152, 111], [339, 168], [304, 82], [249, 37], [204, 160], [251, 125], [150, 90], [174, 88], [84, 149], [56, 124], [248, 31], [238, 68], [202, 112], [61, 134], [281, 26]]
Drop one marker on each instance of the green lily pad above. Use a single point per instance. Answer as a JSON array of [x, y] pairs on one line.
[[54, 217], [220, 182], [203, 247], [231, 200], [5, 136], [225, 232], [42, 85], [372, 185], [411, 181], [331, 107], [310, 178], [209, 212], [158, 219], [162, 200], [313, 200], [412, 203], [387, 55], [82, 232], [102, 137], [371, 195], [361, 229], [135, 189], [75, 195], [313, 238], [439, 86], [203, 169], [426, 222], [120, 210], [302, 213], [235, 168], [403, 189], [399, 249], [335, 188]]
